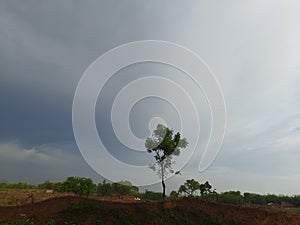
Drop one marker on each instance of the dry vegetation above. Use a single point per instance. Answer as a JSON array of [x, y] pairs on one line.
[[15, 197]]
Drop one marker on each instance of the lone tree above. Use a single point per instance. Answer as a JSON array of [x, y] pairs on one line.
[[165, 145]]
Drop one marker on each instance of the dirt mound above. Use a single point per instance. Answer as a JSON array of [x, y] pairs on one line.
[[41, 210], [227, 213], [184, 211]]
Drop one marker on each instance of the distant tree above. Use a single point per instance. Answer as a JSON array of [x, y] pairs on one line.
[[272, 198], [295, 200], [79, 185], [255, 199], [205, 188], [232, 197], [189, 188], [133, 190], [164, 145], [121, 189], [174, 194], [71, 184], [86, 186], [20, 185], [59, 187], [46, 185], [104, 189], [150, 195]]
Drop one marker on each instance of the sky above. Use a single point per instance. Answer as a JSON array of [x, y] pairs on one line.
[[251, 46]]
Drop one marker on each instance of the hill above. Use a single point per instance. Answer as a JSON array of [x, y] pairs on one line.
[[75, 210]]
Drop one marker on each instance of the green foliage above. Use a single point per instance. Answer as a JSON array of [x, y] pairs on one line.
[[79, 185], [174, 195], [295, 200], [150, 195], [46, 185], [104, 189], [19, 186], [205, 188], [84, 187], [252, 198], [120, 188], [232, 197], [135, 191], [58, 187], [191, 187], [272, 198], [164, 144]]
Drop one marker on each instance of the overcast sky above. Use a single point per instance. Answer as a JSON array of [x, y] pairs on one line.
[[252, 46]]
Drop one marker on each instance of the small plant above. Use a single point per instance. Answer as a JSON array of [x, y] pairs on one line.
[[24, 221], [72, 223], [50, 222]]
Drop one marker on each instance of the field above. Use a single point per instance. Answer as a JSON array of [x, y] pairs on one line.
[[57, 209], [17, 197]]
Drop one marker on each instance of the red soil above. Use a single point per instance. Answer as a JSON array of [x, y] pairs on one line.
[[225, 213]]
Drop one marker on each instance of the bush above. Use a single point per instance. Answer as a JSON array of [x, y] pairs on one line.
[[78, 185], [150, 195]]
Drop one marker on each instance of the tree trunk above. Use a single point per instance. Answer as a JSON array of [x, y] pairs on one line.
[[164, 188], [163, 180]]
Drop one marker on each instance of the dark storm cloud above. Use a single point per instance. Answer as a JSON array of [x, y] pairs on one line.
[[45, 48]]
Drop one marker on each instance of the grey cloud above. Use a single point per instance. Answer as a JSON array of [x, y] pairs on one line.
[[252, 47], [38, 163]]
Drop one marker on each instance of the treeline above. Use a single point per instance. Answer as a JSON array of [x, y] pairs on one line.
[[192, 188], [20, 185], [82, 186], [235, 197], [85, 187]]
